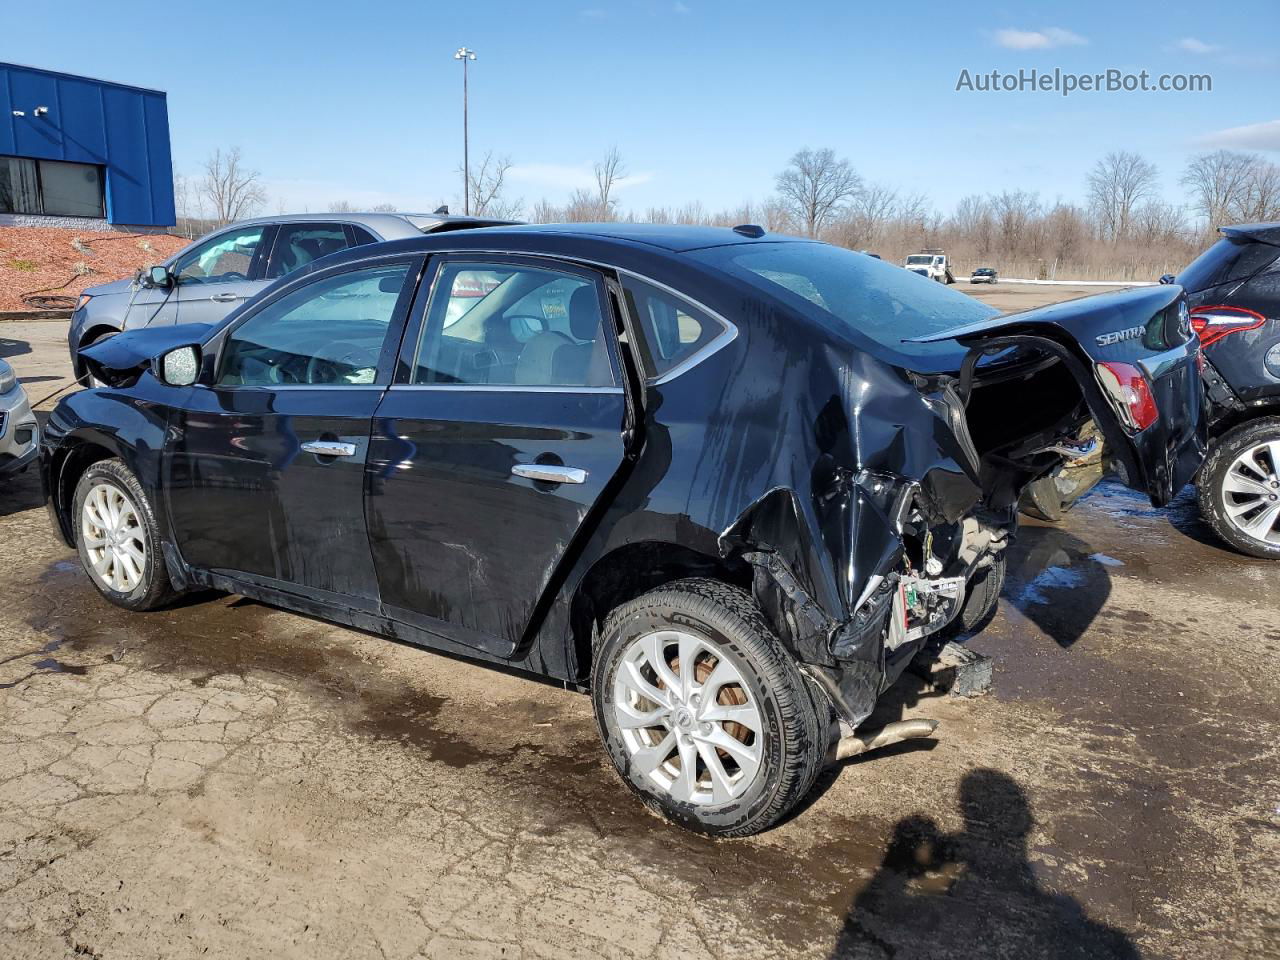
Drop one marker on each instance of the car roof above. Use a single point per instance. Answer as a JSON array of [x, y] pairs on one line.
[[1266, 232], [675, 237], [372, 219]]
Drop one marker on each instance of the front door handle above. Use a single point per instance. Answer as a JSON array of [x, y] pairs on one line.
[[330, 448], [225, 297], [550, 473]]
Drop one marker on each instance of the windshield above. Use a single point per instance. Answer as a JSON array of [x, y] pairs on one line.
[[850, 290], [1227, 261], [917, 259]]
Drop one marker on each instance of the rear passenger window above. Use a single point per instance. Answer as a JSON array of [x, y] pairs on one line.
[[674, 330], [297, 244], [503, 324]]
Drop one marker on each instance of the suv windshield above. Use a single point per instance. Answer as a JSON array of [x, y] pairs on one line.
[[1226, 261], [882, 301]]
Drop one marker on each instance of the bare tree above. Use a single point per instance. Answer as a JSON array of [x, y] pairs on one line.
[[815, 185], [1117, 184], [1217, 181], [1014, 211], [867, 215], [608, 171], [232, 191], [383, 208], [341, 206], [185, 206], [1260, 199], [488, 182]]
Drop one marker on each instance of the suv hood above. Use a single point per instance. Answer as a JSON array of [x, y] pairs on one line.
[[115, 286]]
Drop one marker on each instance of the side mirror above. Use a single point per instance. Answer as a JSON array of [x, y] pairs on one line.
[[159, 277], [179, 367]]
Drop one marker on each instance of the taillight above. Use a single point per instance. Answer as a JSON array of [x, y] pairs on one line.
[[1214, 323], [1130, 393]]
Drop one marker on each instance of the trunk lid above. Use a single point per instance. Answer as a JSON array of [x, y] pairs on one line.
[[1137, 362]]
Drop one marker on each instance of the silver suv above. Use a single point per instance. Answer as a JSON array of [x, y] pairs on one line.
[[205, 281]]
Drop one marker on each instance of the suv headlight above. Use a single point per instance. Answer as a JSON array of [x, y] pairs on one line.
[[7, 379]]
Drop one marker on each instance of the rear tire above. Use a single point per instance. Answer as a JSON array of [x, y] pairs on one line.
[[1239, 488], [116, 536], [669, 745]]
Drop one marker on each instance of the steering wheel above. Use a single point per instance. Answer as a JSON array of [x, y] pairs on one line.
[[232, 275], [281, 374], [346, 358]]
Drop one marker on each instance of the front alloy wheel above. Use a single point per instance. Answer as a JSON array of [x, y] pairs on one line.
[[703, 712], [117, 538], [113, 537]]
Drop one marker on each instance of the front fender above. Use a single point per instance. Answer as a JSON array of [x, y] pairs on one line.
[[93, 425]]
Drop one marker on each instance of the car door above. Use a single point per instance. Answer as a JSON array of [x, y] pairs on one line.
[[265, 464], [209, 280], [499, 435]]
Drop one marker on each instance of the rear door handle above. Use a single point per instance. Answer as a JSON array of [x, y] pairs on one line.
[[225, 297], [550, 473], [330, 448]]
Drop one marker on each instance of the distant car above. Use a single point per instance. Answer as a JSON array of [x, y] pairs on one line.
[[1233, 292], [19, 433], [985, 275], [205, 281], [870, 254], [589, 470]]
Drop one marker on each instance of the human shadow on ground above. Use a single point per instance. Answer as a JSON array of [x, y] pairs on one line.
[[971, 893]]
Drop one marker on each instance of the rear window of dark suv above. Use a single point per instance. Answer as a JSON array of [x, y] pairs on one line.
[[1229, 260]]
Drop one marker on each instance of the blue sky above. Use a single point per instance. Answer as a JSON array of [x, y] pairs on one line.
[[705, 100]]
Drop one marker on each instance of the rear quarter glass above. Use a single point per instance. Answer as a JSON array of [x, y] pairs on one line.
[[851, 292]]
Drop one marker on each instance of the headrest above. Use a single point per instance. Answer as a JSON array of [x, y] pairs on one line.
[[584, 313]]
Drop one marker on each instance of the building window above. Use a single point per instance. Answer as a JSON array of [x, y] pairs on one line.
[[50, 187]]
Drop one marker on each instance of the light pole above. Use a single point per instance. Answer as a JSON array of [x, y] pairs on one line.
[[465, 55]]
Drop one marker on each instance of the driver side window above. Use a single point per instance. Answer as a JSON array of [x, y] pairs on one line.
[[329, 332], [226, 258]]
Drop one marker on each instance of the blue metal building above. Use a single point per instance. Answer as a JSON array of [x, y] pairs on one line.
[[74, 147]]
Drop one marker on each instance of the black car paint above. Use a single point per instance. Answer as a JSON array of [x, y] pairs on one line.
[[779, 461], [1242, 383]]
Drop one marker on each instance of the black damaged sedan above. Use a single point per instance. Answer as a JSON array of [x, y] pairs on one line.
[[728, 482]]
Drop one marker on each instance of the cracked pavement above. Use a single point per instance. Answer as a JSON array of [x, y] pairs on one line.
[[226, 779]]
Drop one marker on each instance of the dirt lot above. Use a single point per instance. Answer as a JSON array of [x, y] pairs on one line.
[[224, 779]]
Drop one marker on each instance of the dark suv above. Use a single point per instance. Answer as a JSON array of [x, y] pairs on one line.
[[730, 483], [1233, 291]]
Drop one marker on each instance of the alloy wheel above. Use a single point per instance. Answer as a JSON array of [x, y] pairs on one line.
[[687, 718], [114, 538], [1251, 492]]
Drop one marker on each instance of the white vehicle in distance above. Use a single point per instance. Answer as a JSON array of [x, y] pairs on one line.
[[932, 264]]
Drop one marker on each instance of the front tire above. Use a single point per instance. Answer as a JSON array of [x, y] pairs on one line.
[[703, 712], [116, 536], [1239, 488]]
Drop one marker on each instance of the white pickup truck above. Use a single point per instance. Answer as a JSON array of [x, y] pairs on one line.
[[932, 264]]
